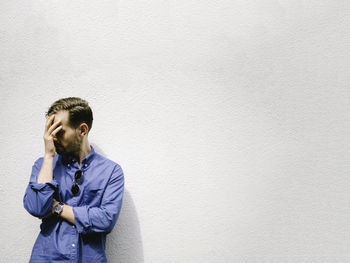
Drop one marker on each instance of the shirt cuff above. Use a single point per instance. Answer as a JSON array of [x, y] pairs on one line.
[[38, 186], [81, 218]]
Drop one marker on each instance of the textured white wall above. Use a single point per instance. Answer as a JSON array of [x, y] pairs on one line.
[[230, 120]]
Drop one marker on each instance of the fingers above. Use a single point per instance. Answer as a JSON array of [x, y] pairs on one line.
[[56, 130], [53, 127], [49, 121]]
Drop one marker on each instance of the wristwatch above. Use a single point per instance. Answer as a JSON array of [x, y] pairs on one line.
[[58, 209]]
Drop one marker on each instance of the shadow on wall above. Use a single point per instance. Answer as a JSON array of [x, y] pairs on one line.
[[124, 243]]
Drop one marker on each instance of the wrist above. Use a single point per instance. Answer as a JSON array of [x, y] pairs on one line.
[[48, 156]]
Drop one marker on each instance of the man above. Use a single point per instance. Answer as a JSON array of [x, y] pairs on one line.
[[77, 193]]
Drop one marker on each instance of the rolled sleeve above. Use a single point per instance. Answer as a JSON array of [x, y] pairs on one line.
[[82, 219], [38, 197], [42, 187], [102, 218]]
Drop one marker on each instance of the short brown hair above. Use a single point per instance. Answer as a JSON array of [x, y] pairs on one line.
[[78, 109]]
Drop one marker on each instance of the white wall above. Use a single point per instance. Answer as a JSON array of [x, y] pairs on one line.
[[230, 120]]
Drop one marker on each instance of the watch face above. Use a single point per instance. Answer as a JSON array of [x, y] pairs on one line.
[[58, 208]]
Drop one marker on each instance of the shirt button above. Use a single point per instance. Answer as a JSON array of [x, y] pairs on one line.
[[68, 165], [73, 226], [73, 245]]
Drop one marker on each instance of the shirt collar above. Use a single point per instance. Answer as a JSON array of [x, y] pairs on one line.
[[69, 160]]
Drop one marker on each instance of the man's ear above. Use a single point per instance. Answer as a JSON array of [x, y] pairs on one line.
[[83, 129]]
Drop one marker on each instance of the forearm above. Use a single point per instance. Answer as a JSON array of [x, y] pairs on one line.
[[67, 212], [45, 174]]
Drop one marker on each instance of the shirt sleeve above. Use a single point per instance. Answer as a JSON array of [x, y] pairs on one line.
[[102, 218], [38, 197]]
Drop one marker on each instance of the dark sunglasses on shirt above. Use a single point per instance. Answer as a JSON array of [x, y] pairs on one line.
[[75, 187]]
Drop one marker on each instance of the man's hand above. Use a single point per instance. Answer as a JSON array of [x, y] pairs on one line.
[[50, 134], [46, 171]]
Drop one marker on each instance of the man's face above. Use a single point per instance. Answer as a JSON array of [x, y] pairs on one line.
[[67, 141]]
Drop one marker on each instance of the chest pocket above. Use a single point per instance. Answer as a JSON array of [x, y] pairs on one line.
[[93, 195]]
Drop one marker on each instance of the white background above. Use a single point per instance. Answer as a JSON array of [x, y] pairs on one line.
[[230, 119]]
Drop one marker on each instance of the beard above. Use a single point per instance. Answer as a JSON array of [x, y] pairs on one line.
[[72, 149]]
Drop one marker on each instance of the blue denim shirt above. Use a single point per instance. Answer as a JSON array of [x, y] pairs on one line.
[[96, 208]]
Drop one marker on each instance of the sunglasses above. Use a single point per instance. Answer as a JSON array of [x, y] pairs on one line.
[[75, 187]]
